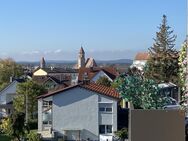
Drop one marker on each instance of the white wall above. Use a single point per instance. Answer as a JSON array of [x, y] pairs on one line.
[[78, 109], [8, 93], [139, 64]]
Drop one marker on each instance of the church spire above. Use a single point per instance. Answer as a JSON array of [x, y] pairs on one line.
[[81, 58], [42, 63], [82, 50]]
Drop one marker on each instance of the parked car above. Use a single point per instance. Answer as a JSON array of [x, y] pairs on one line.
[[172, 104]]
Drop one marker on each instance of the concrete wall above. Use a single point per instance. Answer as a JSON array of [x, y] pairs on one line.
[[157, 125]]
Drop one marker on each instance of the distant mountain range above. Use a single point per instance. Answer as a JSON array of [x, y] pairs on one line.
[[118, 61]]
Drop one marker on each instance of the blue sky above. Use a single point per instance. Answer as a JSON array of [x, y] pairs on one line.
[[107, 29]]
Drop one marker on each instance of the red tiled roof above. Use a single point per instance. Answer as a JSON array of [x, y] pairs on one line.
[[108, 91], [91, 72], [142, 56]]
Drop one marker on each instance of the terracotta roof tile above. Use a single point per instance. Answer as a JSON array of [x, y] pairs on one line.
[[108, 91], [142, 56], [91, 72]]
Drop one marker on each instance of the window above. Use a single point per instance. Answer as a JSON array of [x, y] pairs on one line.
[[102, 129], [108, 109], [105, 107], [47, 103], [109, 128], [47, 122], [105, 129], [101, 109], [50, 102]]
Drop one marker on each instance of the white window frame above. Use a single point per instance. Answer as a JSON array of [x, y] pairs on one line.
[[106, 107], [105, 129]]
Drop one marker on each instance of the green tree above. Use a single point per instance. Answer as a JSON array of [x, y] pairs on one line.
[[141, 92], [104, 81], [14, 126], [162, 65], [28, 90], [9, 68], [122, 134]]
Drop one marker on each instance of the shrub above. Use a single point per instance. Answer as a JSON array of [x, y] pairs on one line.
[[33, 124], [122, 134], [33, 136]]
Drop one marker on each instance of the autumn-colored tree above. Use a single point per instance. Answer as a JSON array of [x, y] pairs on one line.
[[9, 68]]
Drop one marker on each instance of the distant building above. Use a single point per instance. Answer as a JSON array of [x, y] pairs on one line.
[[140, 60], [81, 58], [42, 63], [89, 63], [53, 78], [94, 73]]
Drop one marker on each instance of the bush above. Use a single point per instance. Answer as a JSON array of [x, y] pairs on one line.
[[122, 134], [33, 136], [33, 124]]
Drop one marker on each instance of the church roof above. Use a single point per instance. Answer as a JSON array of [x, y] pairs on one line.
[[90, 63], [82, 50], [42, 62]]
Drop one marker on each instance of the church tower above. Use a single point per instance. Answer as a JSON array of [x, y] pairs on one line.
[[42, 63], [81, 58]]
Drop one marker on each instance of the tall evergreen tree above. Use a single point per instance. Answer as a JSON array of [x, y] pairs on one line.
[[162, 65]]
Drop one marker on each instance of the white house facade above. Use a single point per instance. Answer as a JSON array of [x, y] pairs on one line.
[[6, 97], [140, 60], [80, 112]]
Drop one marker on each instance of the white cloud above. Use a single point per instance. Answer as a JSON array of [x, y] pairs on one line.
[[31, 52], [58, 51], [47, 52]]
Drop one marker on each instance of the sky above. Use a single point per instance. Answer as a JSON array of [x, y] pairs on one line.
[[107, 29]]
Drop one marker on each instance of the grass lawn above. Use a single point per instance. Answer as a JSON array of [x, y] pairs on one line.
[[4, 138]]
